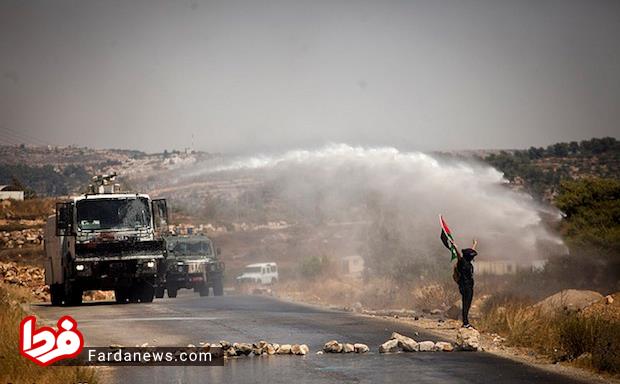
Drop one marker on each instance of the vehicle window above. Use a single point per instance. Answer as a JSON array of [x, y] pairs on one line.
[[252, 270], [192, 248], [111, 214]]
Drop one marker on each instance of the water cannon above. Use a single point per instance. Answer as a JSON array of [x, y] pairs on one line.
[[104, 184]]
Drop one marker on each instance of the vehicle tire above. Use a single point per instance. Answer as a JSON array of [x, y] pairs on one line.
[[218, 288], [72, 295], [203, 290], [146, 293], [56, 294], [172, 292], [159, 292], [120, 295]]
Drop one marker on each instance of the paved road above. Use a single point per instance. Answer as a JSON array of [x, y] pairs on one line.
[[191, 319]]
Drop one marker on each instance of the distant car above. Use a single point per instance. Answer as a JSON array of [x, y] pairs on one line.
[[259, 273]]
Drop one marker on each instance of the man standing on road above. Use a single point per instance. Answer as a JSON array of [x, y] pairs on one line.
[[464, 270]]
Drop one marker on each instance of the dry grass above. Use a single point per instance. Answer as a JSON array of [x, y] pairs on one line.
[[17, 369], [591, 341], [374, 293], [438, 295]]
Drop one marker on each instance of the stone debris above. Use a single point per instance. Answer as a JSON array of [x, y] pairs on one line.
[[389, 346], [225, 344], [333, 346], [443, 346], [28, 237], [25, 276], [242, 348], [426, 346], [405, 343], [468, 339], [299, 349], [284, 349]]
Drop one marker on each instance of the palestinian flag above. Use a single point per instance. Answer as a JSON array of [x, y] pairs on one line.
[[446, 237]]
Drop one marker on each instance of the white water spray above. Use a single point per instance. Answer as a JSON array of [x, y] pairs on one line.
[[410, 189]]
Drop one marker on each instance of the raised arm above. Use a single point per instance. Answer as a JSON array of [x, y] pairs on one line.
[[458, 253], [474, 244]]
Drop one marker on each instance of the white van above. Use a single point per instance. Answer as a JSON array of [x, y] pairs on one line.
[[259, 273]]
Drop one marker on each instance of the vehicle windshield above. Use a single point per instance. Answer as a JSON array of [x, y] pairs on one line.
[[252, 270], [113, 213], [187, 248]]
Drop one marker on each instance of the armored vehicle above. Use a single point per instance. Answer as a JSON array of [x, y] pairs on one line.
[[106, 239], [192, 262]]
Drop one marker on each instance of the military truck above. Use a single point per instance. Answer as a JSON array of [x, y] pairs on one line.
[[192, 263], [106, 239]]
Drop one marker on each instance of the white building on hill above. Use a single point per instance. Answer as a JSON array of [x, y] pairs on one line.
[[9, 192]]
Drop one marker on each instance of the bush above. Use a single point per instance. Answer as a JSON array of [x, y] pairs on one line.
[[592, 336], [592, 340], [315, 266]]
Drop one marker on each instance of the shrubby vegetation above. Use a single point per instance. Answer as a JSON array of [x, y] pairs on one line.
[[542, 170], [44, 180]]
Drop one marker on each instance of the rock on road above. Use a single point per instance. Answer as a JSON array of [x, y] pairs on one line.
[[192, 319]]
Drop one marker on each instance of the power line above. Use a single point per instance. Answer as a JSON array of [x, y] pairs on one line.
[[22, 136], [25, 135]]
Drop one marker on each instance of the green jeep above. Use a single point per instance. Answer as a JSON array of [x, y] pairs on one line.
[[192, 262]]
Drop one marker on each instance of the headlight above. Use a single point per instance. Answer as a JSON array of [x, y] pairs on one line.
[[79, 267], [150, 264]]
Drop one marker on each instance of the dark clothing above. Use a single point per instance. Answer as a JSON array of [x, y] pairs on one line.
[[466, 280], [466, 268], [467, 294]]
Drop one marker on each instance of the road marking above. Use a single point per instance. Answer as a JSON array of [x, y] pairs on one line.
[[146, 319]]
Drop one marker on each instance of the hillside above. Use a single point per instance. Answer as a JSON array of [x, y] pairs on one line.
[[540, 171], [56, 171]]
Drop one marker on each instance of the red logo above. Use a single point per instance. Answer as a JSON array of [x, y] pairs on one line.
[[45, 345]]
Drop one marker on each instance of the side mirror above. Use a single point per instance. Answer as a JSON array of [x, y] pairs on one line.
[[160, 215], [64, 219], [218, 251]]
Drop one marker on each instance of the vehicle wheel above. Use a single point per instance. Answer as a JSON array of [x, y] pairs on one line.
[[172, 292], [159, 292], [204, 290], [120, 295], [73, 295], [56, 294], [146, 293], [218, 288]]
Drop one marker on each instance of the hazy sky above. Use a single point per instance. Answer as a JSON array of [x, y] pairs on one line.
[[245, 76]]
